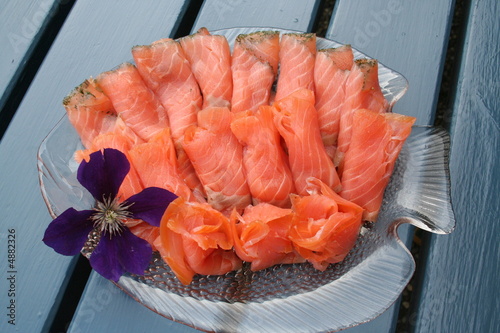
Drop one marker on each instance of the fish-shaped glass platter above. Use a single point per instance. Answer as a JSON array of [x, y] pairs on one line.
[[294, 297]]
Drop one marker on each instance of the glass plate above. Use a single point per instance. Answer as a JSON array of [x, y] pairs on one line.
[[296, 297]]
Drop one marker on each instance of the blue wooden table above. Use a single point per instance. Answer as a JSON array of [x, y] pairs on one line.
[[456, 288]]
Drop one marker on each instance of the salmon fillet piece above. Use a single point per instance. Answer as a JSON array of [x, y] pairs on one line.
[[325, 226], [134, 102], [254, 69], [264, 160], [362, 91], [156, 163], [297, 57], [331, 70], [297, 121], [196, 239], [90, 111], [376, 142], [261, 236], [167, 72], [217, 158], [210, 60]]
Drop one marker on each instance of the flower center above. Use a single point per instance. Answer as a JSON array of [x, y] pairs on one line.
[[110, 216]]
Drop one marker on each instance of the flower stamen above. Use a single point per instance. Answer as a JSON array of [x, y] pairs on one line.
[[110, 216]]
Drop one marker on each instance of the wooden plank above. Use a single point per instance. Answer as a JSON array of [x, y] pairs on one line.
[[121, 313], [288, 14], [460, 286], [20, 25], [109, 309], [407, 36], [394, 33], [96, 37]]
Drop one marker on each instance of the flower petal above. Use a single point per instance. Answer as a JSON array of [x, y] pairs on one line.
[[103, 174], [150, 204], [67, 233], [123, 252]]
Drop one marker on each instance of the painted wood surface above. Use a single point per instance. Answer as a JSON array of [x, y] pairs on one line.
[[290, 14], [20, 26], [461, 286], [89, 43], [408, 36], [122, 313], [394, 33]]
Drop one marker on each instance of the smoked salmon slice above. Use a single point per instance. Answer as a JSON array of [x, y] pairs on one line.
[[196, 239], [325, 226], [166, 71], [331, 70], [156, 163], [362, 91], [266, 165], [134, 102], [261, 236], [210, 60], [90, 111], [254, 69], [376, 142], [145, 231], [297, 57], [217, 158], [297, 121]]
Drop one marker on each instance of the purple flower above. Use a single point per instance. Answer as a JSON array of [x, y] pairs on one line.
[[118, 250]]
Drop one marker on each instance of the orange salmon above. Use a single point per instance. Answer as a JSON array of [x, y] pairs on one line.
[[210, 60], [266, 165], [196, 239], [254, 69], [261, 236], [217, 158], [376, 142], [297, 122], [362, 91], [134, 102], [90, 111], [156, 164], [166, 71], [297, 56], [331, 70], [325, 226]]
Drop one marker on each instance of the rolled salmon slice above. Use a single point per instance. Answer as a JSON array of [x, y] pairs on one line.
[[254, 69], [166, 71], [134, 102], [376, 142], [196, 239], [145, 231], [217, 157], [156, 164], [362, 91], [90, 111], [331, 70], [297, 121], [297, 57], [266, 164], [325, 226], [210, 60], [261, 236]]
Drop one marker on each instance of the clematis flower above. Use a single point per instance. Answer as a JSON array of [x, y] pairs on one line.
[[118, 250]]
